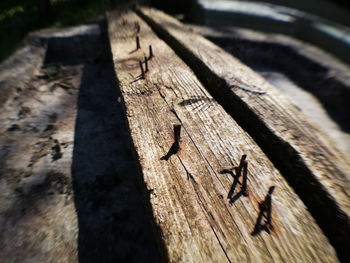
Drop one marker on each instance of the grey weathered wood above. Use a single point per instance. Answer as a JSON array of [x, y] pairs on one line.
[[307, 158], [187, 192]]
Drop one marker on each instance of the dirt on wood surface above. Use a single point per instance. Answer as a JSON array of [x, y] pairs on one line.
[[69, 190]]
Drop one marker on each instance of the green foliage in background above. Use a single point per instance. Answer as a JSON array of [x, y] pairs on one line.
[[18, 17]]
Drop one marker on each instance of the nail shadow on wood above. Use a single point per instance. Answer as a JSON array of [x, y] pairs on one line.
[[258, 226], [175, 147], [233, 199], [236, 197], [137, 79], [133, 51], [203, 102]]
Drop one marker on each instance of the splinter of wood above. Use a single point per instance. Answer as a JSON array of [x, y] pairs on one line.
[[142, 71], [150, 52], [245, 177], [146, 65], [137, 42]]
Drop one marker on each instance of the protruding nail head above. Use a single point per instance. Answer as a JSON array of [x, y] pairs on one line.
[[150, 52], [146, 65], [142, 71], [137, 42]]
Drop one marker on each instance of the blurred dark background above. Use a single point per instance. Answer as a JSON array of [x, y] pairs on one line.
[[18, 17]]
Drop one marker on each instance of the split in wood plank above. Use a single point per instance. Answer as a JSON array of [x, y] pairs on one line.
[[306, 157], [187, 191]]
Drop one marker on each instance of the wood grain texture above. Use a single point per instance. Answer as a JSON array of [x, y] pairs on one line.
[[306, 157], [187, 192]]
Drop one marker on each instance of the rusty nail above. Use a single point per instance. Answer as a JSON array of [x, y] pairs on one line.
[[269, 205], [177, 132], [150, 52], [240, 166], [244, 156], [245, 177], [137, 26], [146, 65], [137, 42], [142, 72]]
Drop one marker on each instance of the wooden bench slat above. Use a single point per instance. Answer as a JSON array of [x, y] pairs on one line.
[[187, 192], [306, 157]]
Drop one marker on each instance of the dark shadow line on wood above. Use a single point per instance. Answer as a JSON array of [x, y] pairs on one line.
[[203, 103], [133, 51], [258, 227], [173, 150], [106, 219], [137, 79], [235, 198]]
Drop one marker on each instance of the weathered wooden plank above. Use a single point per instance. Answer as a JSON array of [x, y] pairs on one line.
[[306, 157], [319, 95], [187, 192]]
